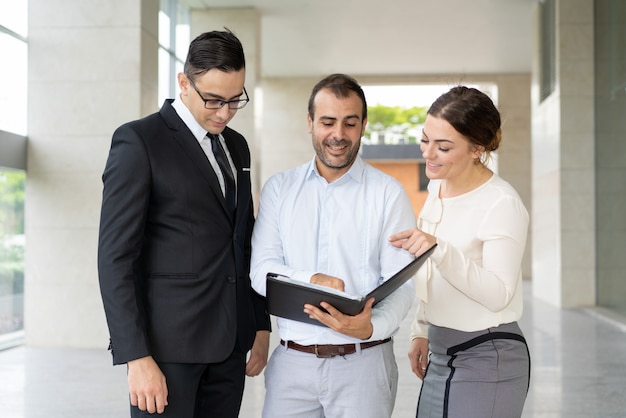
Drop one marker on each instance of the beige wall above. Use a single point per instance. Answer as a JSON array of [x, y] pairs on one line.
[[92, 66], [563, 247]]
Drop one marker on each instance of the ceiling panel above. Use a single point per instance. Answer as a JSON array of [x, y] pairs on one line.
[[394, 37]]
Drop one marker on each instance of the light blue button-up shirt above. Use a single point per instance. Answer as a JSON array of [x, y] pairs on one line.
[[306, 225]]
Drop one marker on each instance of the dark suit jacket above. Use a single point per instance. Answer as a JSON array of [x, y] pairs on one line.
[[173, 265]]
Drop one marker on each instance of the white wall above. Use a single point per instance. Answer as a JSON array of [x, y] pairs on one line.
[[92, 66], [563, 248]]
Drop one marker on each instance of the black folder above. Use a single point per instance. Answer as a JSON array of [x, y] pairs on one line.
[[286, 297]]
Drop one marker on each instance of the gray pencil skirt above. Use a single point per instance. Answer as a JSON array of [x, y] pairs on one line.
[[479, 374]]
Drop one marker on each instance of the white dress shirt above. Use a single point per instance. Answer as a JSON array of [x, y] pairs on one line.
[[200, 134], [306, 225], [473, 279]]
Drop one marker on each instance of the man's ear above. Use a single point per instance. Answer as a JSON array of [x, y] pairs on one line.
[[183, 83]]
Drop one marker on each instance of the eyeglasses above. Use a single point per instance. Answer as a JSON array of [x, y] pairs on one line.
[[218, 104]]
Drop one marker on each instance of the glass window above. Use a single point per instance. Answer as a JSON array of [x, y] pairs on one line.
[[12, 245], [547, 57], [13, 95], [13, 84], [14, 17], [610, 165], [164, 26], [173, 44], [182, 34]]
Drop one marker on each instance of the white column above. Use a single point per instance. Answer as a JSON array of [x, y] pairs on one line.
[[514, 154], [563, 216], [92, 67]]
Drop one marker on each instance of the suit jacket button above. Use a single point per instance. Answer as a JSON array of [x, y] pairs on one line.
[[231, 279]]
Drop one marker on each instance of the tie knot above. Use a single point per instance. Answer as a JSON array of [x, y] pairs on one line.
[[212, 136]]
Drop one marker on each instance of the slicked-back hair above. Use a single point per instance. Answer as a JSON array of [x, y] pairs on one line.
[[472, 114], [221, 50], [340, 85]]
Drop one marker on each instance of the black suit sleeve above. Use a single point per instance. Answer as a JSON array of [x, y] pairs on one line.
[[125, 203]]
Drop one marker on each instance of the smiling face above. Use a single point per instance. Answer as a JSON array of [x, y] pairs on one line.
[[212, 85], [449, 155], [336, 132]]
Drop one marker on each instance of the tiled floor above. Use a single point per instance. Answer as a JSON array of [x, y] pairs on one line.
[[579, 371]]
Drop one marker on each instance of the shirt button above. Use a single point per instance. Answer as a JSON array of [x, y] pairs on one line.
[[231, 279]]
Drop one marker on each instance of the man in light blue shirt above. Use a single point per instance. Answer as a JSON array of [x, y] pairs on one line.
[[327, 222]]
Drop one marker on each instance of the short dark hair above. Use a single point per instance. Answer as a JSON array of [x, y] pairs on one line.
[[340, 85], [472, 114], [216, 49]]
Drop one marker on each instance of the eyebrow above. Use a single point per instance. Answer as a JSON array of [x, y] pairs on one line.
[[346, 118], [437, 140], [218, 97]]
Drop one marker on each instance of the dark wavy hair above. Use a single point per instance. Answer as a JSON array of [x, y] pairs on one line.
[[473, 114], [216, 49], [340, 85]]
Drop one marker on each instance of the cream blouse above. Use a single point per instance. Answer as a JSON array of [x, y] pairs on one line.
[[473, 279]]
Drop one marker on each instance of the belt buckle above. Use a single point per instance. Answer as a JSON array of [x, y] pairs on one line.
[[318, 355]]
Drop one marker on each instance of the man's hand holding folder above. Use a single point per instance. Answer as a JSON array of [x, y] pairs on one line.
[[357, 326], [324, 303]]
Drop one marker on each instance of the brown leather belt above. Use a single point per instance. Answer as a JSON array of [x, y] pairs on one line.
[[331, 350]]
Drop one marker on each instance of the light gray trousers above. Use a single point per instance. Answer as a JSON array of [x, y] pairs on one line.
[[301, 385]]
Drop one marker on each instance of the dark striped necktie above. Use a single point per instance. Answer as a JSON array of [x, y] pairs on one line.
[[227, 173]]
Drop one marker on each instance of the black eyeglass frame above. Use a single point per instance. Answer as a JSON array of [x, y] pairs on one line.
[[238, 104]]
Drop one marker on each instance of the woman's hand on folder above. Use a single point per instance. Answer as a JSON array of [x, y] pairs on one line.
[[328, 281], [413, 240], [357, 326]]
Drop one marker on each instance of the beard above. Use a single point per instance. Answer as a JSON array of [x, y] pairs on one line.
[[332, 161]]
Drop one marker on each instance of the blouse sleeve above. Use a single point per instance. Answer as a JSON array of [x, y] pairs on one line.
[[419, 326], [503, 235]]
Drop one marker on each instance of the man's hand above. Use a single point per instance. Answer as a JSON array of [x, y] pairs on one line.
[[258, 353], [358, 326], [328, 281], [146, 385], [418, 356]]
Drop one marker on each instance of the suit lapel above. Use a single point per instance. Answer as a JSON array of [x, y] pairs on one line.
[[194, 151]]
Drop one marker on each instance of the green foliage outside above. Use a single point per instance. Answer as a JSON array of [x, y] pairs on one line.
[[12, 202], [401, 120], [12, 192]]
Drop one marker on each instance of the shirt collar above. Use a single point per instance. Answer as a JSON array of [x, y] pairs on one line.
[[185, 114], [355, 172]]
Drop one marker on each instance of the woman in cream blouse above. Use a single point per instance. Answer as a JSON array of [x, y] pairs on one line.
[[470, 291]]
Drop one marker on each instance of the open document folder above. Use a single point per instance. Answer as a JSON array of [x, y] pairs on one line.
[[286, 297]]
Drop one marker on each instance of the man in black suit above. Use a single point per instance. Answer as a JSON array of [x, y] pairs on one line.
[[174, 254]]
